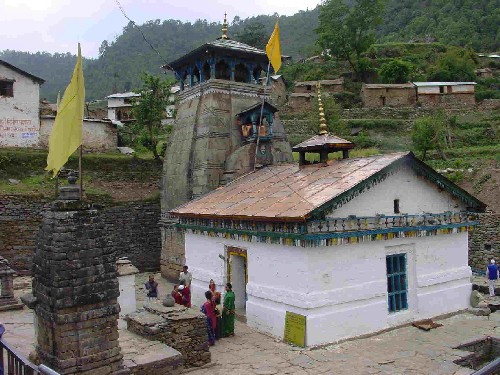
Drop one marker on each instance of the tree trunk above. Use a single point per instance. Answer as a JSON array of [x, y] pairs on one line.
[[154, 144]]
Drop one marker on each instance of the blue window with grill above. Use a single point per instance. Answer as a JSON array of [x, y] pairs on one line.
[[397, 288]]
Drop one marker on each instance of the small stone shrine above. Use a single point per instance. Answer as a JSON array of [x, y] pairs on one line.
[[75, 290], [225, 127], [7, 299]]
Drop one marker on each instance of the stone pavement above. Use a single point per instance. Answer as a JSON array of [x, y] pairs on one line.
[[406, 350]]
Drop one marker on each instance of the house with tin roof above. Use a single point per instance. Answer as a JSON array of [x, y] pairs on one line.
[[352, 245]]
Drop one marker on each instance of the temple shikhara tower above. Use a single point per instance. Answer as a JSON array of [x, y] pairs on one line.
[[218, 135]]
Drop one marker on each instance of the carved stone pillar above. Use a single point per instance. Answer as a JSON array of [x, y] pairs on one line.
[[75, 291]]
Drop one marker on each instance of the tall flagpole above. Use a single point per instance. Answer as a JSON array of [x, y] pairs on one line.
[[80, 153], [261, 115], [262, 106]]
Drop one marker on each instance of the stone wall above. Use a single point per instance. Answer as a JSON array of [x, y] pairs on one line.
[[393, 97], [20, 219], [484, 242], [132, 229], [447, 100], [181, 328]]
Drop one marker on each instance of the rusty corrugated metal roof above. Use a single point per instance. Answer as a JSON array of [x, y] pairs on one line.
[[285, 192]]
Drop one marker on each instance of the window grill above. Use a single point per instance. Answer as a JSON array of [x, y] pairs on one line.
[[397, 288]]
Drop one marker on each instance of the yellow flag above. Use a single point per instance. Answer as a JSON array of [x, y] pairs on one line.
[[66, 135], [273, 48]]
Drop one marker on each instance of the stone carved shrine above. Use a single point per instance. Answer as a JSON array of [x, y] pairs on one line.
[[7, 299], [75, 291], [218, 134]]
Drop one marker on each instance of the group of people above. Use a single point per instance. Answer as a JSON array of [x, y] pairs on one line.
[[181, 292], [220, 317]]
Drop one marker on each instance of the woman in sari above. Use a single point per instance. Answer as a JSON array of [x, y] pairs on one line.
[[228, 311], [209, 311]]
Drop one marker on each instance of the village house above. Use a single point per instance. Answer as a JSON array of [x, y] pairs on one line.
[[393, 95], [354, 246], [19, 107], [484, 73], [446, 93], [436, 94], [120, 106], [304, 92]]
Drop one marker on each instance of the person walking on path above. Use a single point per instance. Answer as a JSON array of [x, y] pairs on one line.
[[186, 277], [152, 287], [228, 311], [209, 310], [492, 275]]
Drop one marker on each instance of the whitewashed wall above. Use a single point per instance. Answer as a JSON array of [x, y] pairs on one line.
[[341, 289], [463, 88], [117, 102], [416, 195], [19, 115], [98, 135]]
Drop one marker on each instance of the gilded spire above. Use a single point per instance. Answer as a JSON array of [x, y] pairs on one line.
[[224, 28], [323, 128]]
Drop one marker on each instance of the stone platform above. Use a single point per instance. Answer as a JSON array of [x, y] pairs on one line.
[[146, 357], [179, 327]]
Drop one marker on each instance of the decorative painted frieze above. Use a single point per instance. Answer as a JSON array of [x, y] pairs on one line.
[[332, 232]]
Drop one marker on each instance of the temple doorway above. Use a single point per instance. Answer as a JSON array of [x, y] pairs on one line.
[[237, 275]]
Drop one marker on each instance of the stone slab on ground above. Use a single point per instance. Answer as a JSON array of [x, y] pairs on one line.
[[146, 357]]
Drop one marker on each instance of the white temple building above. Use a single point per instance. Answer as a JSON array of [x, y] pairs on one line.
[[354, 245]]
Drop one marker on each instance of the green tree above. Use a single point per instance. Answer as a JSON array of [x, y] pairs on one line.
[[431, 133], [346, 31], [454, 65], [149, 110], [254, 34], [396, 71]]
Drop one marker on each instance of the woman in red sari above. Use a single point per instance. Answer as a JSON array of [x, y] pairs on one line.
[[209, 310], [177, 296]]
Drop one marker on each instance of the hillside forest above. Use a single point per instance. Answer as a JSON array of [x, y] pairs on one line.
[[394, 41], [471, 24]]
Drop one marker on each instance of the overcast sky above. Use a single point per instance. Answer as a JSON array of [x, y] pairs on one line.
[[58, 25]]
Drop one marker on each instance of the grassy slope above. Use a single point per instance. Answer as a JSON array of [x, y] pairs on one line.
[[107, 177]]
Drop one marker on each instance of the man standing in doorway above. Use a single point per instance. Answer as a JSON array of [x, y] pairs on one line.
[[492, 275], [186, 277]]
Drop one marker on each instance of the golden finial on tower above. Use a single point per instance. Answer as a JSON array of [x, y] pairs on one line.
[[224, 27], [323, 128]]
